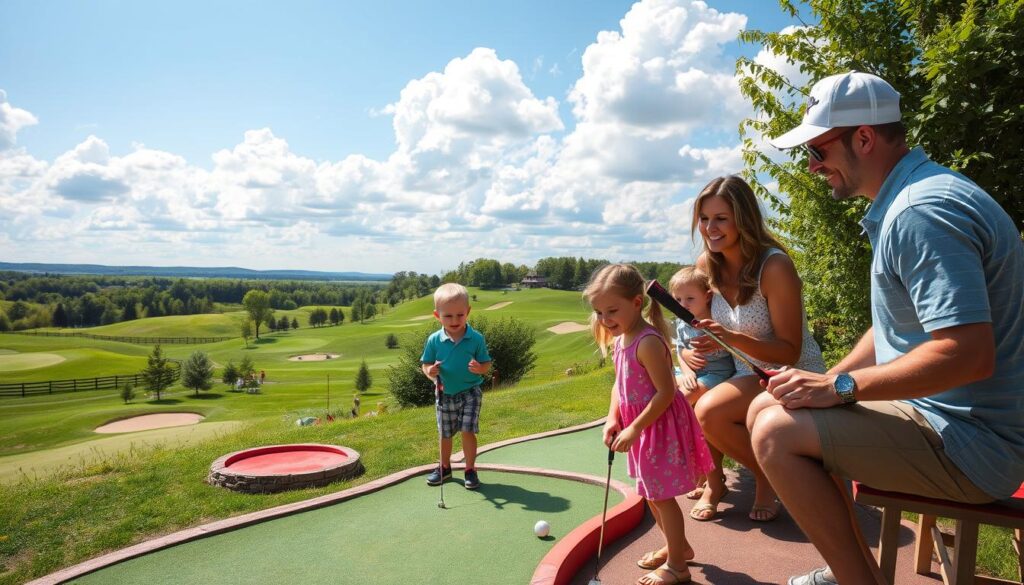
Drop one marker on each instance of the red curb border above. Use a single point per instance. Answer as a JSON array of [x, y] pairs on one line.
[[557, 567]]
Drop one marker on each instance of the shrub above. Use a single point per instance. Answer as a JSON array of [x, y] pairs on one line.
[[392, 341], [510, 342], [127, 392], [406, 381]]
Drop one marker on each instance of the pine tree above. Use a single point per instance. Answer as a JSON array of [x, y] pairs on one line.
[[363, 379], [158, 375]]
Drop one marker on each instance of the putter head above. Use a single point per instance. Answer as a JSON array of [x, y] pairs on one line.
[[441, 505]]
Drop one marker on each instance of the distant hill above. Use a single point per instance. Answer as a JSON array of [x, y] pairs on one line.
[[191, 272]]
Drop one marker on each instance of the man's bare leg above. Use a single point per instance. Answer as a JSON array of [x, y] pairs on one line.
[[787, 446]]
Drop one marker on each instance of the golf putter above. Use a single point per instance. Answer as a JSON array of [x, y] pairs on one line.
[[438, 390], [665, 299], [600, 541]]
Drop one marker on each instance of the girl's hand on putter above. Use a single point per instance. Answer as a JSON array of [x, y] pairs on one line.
[[611, 428], [624, 439]]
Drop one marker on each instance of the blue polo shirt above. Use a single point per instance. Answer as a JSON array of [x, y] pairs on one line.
[[944, 253], [455, 356]]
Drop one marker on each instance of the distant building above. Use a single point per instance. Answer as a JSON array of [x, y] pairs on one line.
[[533, 280]]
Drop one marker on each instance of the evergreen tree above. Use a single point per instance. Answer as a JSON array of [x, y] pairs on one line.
[[335, 319], [60, 316], [392, 341], [127, 392], [283, 324], [363, 378], [159, 374], [295, 323], [197, 372]]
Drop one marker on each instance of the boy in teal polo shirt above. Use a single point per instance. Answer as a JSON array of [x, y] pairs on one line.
[[455, 358]]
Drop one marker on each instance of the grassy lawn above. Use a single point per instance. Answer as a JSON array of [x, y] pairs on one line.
[[87, 494]]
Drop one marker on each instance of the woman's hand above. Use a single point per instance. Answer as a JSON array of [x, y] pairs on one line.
[[611, 429], [704, 344], [625, 439]]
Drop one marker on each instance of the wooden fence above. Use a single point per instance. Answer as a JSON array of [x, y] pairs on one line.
[[78, 385], [126, 339]]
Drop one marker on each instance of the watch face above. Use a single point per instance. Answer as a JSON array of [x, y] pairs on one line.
[[845, 383]]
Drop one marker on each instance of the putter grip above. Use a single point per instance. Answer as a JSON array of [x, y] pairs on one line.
[[664, 298], [611, 456]]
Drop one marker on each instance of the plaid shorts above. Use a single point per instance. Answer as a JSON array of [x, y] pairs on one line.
[[459, 412]]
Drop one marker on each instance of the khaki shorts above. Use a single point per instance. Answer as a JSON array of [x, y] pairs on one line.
[[890, 446]]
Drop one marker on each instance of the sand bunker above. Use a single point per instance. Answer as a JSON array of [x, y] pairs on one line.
[[422, 317], [498, 306], [314, 357], [10, 362], [567, 327], [150, 421]]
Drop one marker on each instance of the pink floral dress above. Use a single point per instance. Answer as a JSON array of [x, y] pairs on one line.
[[671, 453]]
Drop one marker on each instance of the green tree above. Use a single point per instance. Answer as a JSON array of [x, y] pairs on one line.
[[5, 322], [957, 67], [127, 392], [335, 316], [295, 323], [257, 304], [230, 374], [363, 378], [158, 375], [392, 341], [197, 372], [246, 330], [60, 316], [284, 323]]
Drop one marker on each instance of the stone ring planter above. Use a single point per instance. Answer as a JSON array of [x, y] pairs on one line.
[[277, 468]]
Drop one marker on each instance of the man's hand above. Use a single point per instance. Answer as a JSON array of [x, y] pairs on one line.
[[802, 389]]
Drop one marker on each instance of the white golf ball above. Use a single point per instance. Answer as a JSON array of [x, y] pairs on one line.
[[541, 528]]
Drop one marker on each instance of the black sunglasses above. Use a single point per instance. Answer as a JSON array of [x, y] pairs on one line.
[[817, 154]]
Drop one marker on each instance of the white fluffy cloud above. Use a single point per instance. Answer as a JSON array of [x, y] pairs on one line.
[[482, 167], [12, 119]]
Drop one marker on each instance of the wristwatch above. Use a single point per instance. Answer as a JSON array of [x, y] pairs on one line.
[[845, 386]]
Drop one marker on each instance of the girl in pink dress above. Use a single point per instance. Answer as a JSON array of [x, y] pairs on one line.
[[648, 416]]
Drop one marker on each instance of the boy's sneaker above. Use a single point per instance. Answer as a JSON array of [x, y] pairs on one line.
[[436, 478], [472, 480]]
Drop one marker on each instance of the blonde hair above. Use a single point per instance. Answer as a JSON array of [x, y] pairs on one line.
[[626, 281], [755, 238], [689, 275], [448, 292]]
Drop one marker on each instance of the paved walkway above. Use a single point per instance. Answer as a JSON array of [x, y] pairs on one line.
[[732, 550]]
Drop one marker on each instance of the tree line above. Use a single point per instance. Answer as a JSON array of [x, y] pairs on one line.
[[87, 301]]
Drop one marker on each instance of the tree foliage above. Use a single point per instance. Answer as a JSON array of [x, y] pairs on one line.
[[197, 372], [510, 342], [257, 304], [158, 375], [406, 381], [959, 68], [363, 378]]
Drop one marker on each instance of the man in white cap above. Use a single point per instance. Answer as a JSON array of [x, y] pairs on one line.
[[931, 399]]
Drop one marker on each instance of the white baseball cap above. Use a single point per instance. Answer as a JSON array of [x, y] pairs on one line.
[[849, 99]]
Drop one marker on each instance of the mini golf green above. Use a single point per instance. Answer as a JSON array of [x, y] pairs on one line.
[[581, 452], [399, 534]]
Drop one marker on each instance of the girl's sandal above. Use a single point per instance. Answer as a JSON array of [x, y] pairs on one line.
[[652, 560], [674, 576]]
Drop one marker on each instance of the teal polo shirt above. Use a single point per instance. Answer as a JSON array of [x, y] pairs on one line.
[[455, 356], [944, 253]]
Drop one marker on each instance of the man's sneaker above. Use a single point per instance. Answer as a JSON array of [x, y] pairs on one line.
[[435, 477], [472, 480]]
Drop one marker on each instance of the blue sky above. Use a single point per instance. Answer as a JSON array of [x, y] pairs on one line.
[[350, 136]]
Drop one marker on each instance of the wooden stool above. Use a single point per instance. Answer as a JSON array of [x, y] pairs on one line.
[[960, 569]]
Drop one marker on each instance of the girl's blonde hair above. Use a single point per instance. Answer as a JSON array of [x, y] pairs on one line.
[[689, 275], [624, 280], [755, 238]]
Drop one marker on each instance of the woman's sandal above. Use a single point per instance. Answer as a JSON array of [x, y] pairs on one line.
[[652, 560], [675, 576], [696, 492], [704, 512]]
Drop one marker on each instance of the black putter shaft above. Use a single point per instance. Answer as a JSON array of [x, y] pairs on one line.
[[438, 389], [665, 299], [604, 514]]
